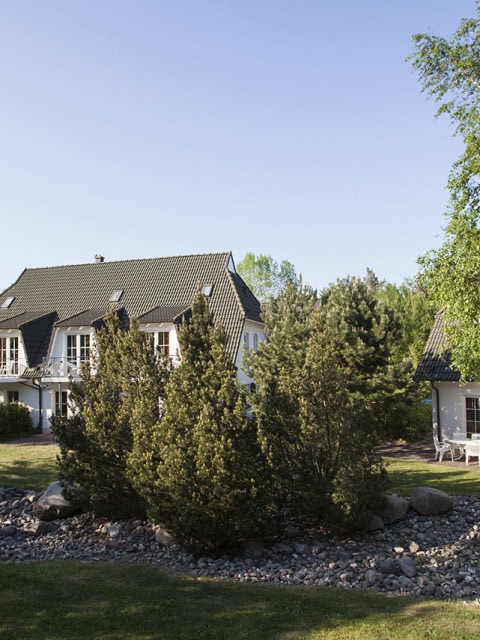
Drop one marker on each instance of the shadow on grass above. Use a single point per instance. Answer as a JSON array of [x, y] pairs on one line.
[[404, 476], [27, 474], [69, 600]]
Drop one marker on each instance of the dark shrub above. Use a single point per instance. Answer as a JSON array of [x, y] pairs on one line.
[[15, 420]]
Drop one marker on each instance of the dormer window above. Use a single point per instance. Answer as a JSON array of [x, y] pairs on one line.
[[116, 295], [7, 302], [207, 290]]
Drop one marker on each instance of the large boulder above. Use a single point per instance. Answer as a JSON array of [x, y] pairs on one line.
[[52, 505], [163, 537], [393, 508], [430, 502]]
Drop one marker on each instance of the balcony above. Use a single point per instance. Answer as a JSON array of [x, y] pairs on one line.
[[59, 368], [12, 369]]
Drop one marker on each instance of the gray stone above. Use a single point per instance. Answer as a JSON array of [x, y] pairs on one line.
[[37, 528], [113, 530], [252, 550], [375, 523], [393, 508], [164, 538], [428, 501], [52, 505], [9, 530], [407, 566], [302, 549], [389, 566]]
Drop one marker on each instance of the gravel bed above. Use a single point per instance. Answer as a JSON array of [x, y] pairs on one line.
[[431, 556]]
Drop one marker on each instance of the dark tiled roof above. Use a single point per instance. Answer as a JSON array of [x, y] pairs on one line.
[[163, 314], [434, 364], [83, 291], [36, 329], [84, 319], [246, 299]]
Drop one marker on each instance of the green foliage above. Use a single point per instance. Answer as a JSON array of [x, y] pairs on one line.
[[96, 442], [319, 385], [414, 312], [15, 420], [204, 483], [264, 276], [448, 71]]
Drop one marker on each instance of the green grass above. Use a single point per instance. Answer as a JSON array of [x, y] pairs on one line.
[[404, 476], [60, 600], [120, 601], [28, 466]]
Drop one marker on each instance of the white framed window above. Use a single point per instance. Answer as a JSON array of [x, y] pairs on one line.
[[78, 348], [255, 341], [163, 342], [61, 403], [9, 356], [13, 396], [472, 407], [160, 341], [246, 341]]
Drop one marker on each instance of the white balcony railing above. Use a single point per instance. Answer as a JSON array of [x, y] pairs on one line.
[[12, 369], [60, 368]]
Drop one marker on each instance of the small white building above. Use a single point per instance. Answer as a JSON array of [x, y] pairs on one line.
[[455, 406], [49, 317]]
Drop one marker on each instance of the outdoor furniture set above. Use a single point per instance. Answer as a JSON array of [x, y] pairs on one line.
[[458, 446]]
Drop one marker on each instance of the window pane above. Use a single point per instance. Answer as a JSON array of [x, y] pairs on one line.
[[84, 348], [164, 342], [72, 349]]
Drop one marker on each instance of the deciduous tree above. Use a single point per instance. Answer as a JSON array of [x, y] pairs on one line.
[[448, 70], [266, 277]]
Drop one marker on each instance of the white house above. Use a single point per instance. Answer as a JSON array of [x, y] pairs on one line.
[[455, 406], [49, 316]]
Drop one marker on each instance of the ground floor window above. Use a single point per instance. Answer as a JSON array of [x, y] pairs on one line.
[[13, 396], [473, 415], [61, 403]]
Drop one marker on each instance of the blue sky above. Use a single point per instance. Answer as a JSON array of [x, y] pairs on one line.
[[150, 128]]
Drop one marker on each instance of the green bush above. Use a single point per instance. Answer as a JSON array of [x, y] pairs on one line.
[[15, 420], [204, 480], [96, 441]]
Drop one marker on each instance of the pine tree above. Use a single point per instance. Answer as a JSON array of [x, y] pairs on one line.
[[123, 382], [277, 370], [321, 381], [341, 476], [206, 487]]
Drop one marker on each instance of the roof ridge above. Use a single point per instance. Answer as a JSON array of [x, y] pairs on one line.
[[86, 264]]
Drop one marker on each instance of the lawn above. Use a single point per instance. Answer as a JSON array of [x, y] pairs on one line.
[[404, 476], [28, 466], [120, 601]]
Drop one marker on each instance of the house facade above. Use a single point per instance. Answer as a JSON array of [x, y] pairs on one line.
[[455, 406], [49, 318]]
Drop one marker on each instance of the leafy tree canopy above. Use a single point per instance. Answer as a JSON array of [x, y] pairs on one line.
[[266, 277], [449, 71]]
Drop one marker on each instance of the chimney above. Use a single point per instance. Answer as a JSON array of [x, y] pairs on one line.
[[99, 258]]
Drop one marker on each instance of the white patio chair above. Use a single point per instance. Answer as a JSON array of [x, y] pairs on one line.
[[457, 448], [472, 450], [441, 448]]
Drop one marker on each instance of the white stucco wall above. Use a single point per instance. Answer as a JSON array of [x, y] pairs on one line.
[[451, 409], [250, 329], [174, 347]]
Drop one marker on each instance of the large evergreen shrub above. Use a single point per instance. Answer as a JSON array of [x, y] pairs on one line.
[[321, 389], [125, 379], [205, 483]]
